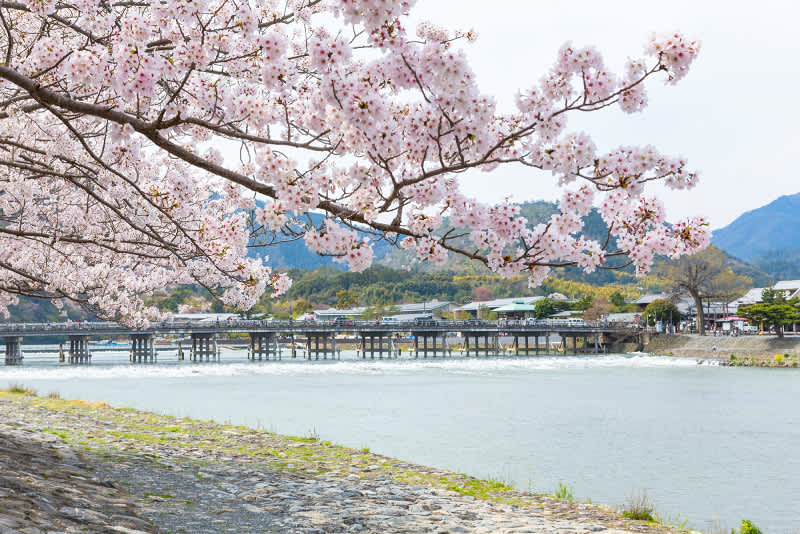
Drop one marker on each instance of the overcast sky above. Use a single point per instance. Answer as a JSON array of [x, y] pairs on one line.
[[734, 116]]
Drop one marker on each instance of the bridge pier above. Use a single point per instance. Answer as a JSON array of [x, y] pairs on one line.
[[480, 339], [384, 345], [79, 349], [143, 348], [263, 345], [13, 350], [526, 349], [315, 346], [491, 343], [435, 348], [204, 347]]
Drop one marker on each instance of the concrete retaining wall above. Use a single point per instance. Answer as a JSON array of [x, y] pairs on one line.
[[702, 346]]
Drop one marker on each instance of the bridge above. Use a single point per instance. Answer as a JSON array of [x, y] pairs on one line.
[[320, 338]]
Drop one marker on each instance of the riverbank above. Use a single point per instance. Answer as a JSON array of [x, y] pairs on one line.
[[760, 351], [73, 466]]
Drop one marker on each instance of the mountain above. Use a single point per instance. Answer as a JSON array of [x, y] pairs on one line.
[[761, 232], [536, 212], [295, 254], [594, 228], [781, 264]]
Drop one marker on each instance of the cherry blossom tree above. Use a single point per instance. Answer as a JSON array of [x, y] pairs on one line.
[[137, 136]]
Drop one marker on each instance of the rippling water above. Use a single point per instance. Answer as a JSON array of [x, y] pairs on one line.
[[713, 444]]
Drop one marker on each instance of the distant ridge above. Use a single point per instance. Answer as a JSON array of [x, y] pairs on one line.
[[767, 238], [769, 228], [295, 254]]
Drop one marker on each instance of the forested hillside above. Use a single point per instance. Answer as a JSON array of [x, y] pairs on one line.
[[780, 264], [536, 212]]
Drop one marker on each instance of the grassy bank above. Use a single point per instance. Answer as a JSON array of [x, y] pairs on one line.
[[99, 427]]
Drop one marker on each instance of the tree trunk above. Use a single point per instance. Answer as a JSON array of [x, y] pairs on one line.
[[701, 318], [779, 330]]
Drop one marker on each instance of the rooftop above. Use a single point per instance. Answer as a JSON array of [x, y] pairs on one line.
[[751, 297], [647, 299], [412, 308], [516, 306], [497, 303], [340, 312], [787, 285]]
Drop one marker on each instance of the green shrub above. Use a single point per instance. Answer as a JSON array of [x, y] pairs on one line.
[[19, 389], [564, 492], [747, 528], [639, 507]]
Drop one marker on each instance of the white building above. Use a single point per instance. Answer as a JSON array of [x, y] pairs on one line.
[[790, 288], [492, 305], [751, 297], [203, 317], [413, 309]]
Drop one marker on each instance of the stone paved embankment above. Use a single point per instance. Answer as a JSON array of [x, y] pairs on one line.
[[761, 348], [71, 466]]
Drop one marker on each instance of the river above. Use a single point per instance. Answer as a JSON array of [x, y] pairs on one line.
[[709, 444]]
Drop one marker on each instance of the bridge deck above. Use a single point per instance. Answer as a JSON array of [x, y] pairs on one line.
[[105, 329]]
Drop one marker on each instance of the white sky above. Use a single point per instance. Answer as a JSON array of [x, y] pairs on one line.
[[734, 116]]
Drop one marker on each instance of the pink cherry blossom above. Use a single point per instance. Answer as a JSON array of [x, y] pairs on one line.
[[153, 143]]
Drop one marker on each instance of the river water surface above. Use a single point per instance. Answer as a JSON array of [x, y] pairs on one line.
[[710, 444]]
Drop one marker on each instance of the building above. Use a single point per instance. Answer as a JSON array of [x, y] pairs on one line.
[[645, 300], [516, 310], [751, 297], [205, 318], [790, 288], [431, 306], [491, 305], [712, 311], [625, 318], [331, 314], [414, 309]]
